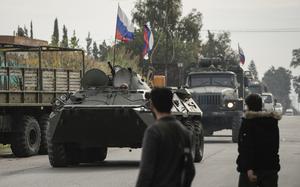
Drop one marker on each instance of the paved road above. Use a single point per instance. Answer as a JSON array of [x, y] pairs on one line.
[[121, 167]]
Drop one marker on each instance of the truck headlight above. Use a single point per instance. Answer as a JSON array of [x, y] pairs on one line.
[[230, 105]]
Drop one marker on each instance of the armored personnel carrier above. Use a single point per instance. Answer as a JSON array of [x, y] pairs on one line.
[[111, 111]]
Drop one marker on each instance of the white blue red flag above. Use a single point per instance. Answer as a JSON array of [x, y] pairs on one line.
[[125, 29], [148, 40], [242, 55]]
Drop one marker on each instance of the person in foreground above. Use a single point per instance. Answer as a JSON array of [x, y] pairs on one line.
[[164, 143], [258, 145]]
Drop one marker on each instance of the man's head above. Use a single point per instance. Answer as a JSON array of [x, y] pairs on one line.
[[254, 102], [161, 99]]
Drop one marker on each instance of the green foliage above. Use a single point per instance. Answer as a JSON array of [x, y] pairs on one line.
[[95, 51], [74, 41], [189, 27], [55, 35], [218, 45], [65, 41], [296, 63], [177, 40], [20, 31], [296, 58], [124, 58], [88, 44], [103, 51], [278, 82], [162, 14], [253, 70]]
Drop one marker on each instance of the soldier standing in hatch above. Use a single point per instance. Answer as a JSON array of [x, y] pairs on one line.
[[163, 145], [258, 145]]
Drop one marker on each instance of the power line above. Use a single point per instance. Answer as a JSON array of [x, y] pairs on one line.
[[279, 30]]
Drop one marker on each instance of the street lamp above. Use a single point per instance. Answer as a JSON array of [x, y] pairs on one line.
[[180, 65]]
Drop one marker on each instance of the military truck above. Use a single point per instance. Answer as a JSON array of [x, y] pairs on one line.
[[27, 92], [218, 88], [111, 111]]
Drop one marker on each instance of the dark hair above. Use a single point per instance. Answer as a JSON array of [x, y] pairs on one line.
[[254, 102], [161, 99]]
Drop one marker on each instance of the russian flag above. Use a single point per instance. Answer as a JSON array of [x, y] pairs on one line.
[[148, 39], [242, 55], [124, 30]]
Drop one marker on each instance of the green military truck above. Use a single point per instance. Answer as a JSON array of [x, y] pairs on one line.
[[218, 88], [26, 92]]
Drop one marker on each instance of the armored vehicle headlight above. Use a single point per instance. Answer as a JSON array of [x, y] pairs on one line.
[[63, 97], [57, 103], [230, 105]]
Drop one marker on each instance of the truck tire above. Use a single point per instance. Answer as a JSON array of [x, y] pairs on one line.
[[27, 138], [199, 149], [236, 124], [44, 123]]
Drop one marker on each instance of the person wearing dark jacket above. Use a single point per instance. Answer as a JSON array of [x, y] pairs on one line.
[[258, 145], [163, 145]]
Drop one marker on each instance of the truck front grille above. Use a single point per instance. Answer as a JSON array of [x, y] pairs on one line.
[[211, 99]]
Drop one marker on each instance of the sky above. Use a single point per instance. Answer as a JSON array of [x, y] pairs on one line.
[[256, 25]]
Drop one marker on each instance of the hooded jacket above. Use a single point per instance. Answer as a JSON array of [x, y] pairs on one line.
[[258, 143]]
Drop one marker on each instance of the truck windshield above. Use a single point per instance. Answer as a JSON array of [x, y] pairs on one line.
[[255, 89], [267, 98], [199, 80]]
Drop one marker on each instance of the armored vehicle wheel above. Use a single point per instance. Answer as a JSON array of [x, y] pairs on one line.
[[199, 150], [57, 155], [208, 132], [197, 144], [61, 155], [236, 124], [94, 154], [44, 123], [27, 138]]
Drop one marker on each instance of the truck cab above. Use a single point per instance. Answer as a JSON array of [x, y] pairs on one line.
[[268, 102], [219, 93]]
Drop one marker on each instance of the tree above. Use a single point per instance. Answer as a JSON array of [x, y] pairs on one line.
[[95, 51], [25, 31], [74, 41], [176, 39], [103, 51], [253, 70], [296, 63], [218, 45], [20, 31], [278, 82], [189, 27], [31, 30], [55, 35], [65, 41], [88, 44], [296, 58], [162, 14]]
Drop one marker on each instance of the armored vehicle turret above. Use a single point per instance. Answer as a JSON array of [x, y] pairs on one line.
[[111, 111]]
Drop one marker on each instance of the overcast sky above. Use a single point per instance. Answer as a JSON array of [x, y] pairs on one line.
[[99, 17]]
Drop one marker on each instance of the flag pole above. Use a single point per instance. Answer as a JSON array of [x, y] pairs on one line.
[[114, 58], [114, 55]]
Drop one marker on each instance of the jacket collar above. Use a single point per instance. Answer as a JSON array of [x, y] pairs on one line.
[[261, 114]]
